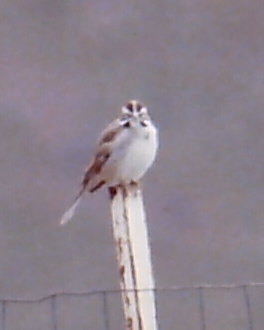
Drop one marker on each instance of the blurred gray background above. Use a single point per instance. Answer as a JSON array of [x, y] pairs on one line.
[[66, 69]]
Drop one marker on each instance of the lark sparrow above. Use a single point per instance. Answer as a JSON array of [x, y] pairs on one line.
[[125, 151]]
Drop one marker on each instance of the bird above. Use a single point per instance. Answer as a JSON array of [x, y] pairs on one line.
[[126, 149]]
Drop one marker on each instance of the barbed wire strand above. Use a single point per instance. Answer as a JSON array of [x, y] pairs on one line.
[[109, 291], [104, 294]]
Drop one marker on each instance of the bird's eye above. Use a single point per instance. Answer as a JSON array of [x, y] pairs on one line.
[[127, 124]]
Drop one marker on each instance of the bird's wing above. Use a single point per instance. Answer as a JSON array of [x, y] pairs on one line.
[[95, 167], [91, 172], [110, 133], [109, 140], [106, 144]]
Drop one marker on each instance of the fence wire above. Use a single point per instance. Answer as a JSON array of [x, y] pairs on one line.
[[201, 307]]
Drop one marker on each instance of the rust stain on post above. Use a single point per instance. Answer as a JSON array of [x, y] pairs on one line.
[[129, 323], [120, 245], [112, 192], [127, 301], [121, 273], [128, 217], [126, 190]]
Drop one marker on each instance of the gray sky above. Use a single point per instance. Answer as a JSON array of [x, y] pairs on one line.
[[66, 69]]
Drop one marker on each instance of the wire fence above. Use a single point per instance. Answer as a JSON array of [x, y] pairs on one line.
[[204, 307]]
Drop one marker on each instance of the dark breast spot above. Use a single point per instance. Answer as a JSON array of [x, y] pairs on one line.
[[143, 123]]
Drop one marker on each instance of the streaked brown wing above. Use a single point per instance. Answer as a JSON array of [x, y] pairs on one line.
[[104, 150], [95, 167], [110, 133]]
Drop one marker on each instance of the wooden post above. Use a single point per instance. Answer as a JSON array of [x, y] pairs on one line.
[[134, 259]]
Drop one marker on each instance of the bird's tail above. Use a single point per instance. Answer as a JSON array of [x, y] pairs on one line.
[[69, 213]]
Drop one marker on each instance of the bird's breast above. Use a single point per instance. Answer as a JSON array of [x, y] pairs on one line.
[[139, 156]]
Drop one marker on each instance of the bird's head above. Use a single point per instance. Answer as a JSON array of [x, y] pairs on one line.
[[134, 108]]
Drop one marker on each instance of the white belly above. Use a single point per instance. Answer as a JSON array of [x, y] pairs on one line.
[[133, 161]]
